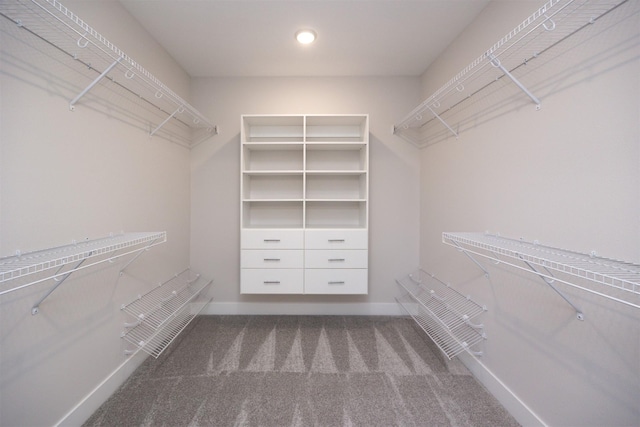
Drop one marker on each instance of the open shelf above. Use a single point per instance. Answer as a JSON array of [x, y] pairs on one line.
[[87, 253], [51, 23], [612, 279], [443, 313], [444, 111], [162, 313]]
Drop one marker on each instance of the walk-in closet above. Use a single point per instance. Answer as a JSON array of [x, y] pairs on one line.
[[313, 213]]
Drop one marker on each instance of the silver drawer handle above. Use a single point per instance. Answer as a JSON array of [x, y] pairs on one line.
[[336, 259], [272, 259], [271, 282], [336, 240], [271, 240], [337, 283]]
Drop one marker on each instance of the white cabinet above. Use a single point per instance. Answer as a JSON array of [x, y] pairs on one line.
[[304, 191]]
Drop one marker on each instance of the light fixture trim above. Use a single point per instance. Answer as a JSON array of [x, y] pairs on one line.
[[306, 36]]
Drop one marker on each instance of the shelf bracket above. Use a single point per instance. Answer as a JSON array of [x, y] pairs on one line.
[[461, 249], [140, 252], [548, 281], [442, 121], [36, 307], [496, 63], [93, 83], [180, 109]]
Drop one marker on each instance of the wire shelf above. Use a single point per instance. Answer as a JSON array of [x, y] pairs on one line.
[[53, 23], [443, 313], [162, 313], [620, 280], [25, 264], [554, 22]]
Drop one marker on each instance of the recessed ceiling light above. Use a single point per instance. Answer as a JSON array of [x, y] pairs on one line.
[[305, 36]]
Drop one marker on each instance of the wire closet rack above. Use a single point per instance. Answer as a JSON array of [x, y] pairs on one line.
[[609, 278], [443, 313], [46, 264], [54, 24], [554, 22], [162, 313]]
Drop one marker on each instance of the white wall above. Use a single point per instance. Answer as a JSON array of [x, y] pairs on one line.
[[75, 175], [567, 175], [394, 180]]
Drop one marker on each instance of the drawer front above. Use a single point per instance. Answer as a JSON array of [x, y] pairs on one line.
[[335, 281], [336, 239], [257, 258], [349, 258], [271, 239], [271, 281]]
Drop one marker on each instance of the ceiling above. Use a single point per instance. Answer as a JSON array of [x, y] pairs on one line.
[[256, 37]]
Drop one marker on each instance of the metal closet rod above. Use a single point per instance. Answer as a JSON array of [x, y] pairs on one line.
[[472, 69], [108, 49]]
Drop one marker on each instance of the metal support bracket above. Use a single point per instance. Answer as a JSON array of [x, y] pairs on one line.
[[480, 266], [146, 248], [36, 307], [180, 109], [549, 281], [442, 121], [496, 63], [93, 83]]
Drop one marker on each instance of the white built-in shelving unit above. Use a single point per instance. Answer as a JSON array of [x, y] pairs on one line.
[[50, 25], [443, 313], [165, 311], [58, 263], [304, 203], [608, 278], [445, 111]]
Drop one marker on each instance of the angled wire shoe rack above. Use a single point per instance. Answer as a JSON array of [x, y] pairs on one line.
[[608, 278], [443, 313], [52, 23], [163, 312], [443, 113], [58, 263]]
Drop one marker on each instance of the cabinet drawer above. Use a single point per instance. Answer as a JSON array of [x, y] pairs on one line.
[[271, 239], [335, 281], [336, 239], [271, 281], [336, 258], [258, 258]]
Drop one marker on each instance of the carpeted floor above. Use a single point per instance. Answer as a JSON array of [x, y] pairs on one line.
[[301, 371]]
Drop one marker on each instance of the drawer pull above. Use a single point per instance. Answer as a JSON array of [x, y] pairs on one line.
[[336, 259], [337, 282], [271, 282], [271, 240], [271, 259], [336, 240]]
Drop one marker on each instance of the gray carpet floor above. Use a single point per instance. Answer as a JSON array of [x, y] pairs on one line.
[[301, 371]]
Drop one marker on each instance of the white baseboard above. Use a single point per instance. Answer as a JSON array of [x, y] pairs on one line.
[[512, 403], [332, 309], [92, 401]]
